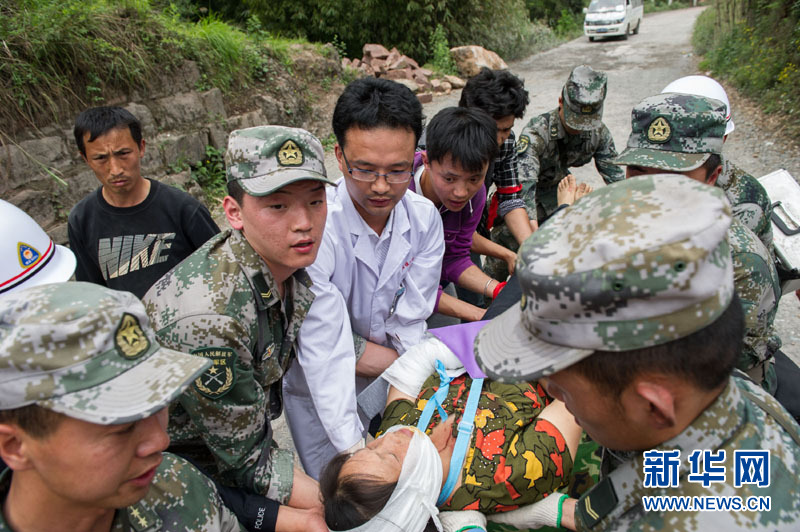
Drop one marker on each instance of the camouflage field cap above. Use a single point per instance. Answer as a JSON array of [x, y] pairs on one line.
[[87, 352], [266, 158], [638, 263], [674, 132], [583, 97]]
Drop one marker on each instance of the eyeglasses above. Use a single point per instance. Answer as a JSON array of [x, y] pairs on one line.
[[370, 176]]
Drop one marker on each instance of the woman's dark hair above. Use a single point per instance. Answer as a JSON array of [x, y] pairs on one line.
[[467, 134], [498, 92], [98, 121], [351, 500], [369, 103]]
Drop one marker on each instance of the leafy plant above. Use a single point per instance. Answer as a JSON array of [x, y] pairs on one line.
[[442, 61], [209, 173]]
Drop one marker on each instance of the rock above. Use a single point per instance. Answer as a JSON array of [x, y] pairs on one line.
[[378, 66], [376, 51], [408, 83], [245, 120], [470, 60], [188, 148], [366, 69], [214, 105], [21, 164], [144, 115], [425, 97], [399, 74], [346, 62], [393, 57], [178, 110], [356, 63], [422, 81], [455, 81], [218, 136], [446, 87], [436, 85], [273, 110], [403, 62], [424, 71]]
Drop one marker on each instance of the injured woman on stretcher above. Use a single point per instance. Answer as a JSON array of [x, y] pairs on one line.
[[452, 442]]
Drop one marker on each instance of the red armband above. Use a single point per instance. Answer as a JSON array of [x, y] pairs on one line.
[[497, 289]]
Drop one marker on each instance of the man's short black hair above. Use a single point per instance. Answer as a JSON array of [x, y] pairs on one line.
[[235, 190], [99, 120], [498, 92], [369, 103], [705, 358], [468, 135], [711, 164]]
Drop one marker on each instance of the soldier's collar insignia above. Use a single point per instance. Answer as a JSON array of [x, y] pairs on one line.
[[290, 154], [219, 379], [130, 340], [597, 503], [27, 254], [659, 130], [522, 143], [587, 109]]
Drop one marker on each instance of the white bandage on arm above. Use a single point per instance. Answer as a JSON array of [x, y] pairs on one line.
[[409, 372]]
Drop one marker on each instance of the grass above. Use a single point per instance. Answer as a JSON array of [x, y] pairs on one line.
[[58, 57], [759, 54]]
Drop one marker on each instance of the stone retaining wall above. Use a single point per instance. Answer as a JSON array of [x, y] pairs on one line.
[[177, 127]]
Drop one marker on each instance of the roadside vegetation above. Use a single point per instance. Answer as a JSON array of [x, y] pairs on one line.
[[60, 56], [756, 46]]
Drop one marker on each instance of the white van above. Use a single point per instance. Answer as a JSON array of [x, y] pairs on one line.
[[607, 18]]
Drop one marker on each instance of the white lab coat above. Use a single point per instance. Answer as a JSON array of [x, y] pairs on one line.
[[352, 296]]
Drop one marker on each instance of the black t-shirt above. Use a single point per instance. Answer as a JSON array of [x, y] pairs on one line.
[[130, 248]]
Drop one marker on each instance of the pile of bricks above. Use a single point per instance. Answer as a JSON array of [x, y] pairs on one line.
[[390, 64]]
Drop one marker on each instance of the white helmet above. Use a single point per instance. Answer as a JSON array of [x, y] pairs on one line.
[[703, 86], [28, 257]]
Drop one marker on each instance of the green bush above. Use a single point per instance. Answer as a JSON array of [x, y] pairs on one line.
[[209, 173], [499, 25], [442, 61], [60, 56], [757, 47], [551, 12]]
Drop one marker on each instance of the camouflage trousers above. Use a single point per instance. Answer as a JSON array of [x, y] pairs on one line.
[[492, 266]]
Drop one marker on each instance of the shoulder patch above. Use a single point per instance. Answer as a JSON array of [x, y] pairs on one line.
[[219, 379], [597, 503], [522, 144]]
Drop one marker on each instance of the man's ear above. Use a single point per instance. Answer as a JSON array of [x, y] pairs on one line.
[[233, 212], [425, 160], [337, 150], [141, 149], [712, 178], [12, 447], [659, 401]]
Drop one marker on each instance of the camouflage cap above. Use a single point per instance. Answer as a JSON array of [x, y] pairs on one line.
[[583, 97], [674, 132], [266, 158], [626, 267], [87, 352]]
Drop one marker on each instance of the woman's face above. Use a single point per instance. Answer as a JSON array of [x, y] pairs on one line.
[[381, 458]]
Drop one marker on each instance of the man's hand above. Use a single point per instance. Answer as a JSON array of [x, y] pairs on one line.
[[554, 511], [511, 260], [456, 521]]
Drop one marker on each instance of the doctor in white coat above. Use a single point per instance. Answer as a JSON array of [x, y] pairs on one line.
[[376, 274]]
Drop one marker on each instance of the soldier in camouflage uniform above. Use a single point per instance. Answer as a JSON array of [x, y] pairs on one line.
[[684, 133], [239, 301], [629, 316], [84, 389], [551, 143], [750, 202]]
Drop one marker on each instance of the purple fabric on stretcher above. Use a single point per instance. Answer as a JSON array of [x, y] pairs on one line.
[[460, 339]]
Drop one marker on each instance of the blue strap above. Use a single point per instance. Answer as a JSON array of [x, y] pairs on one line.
[[462, 441], [436, 400]]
